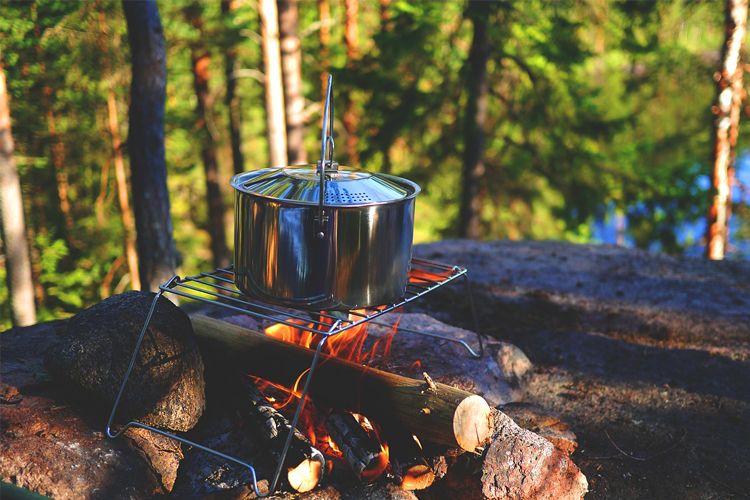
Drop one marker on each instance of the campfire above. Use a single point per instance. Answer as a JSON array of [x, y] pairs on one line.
[[367, 423]]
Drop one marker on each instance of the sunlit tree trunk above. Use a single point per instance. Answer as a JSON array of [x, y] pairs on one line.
[[157, 255], [291, 66], [474, 122], [269, 32], [324, 11], [121, 182], [18, 264], [727, 109], [122, 191], [231, 98], [204, 103], [350, 118]]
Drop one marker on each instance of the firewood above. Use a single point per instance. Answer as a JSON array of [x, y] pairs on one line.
[[434, 412], [304, 463], [408, 463], [361, 451]]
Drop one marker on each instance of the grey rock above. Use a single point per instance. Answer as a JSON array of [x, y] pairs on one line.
[[166, 388]]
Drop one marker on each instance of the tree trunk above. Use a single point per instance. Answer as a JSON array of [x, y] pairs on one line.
[[20, 284], [156, 249], [269, 32], [350, 117], [113, 123], [231, 98], [122, 191], [201, 59], [324, 10], [474, 121], [291, 66], [727, 109], [58, 162]]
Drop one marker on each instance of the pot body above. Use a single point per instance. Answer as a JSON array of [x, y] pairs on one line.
[[362, 260]]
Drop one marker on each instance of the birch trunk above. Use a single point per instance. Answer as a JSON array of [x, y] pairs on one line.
[[269, 32], [291, 66], [18, 264], [156, 249], [727, 109]]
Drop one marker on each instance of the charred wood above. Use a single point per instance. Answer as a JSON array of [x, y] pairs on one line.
[[361, 451]]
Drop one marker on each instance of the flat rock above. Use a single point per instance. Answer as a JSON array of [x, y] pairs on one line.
[[166, 387]]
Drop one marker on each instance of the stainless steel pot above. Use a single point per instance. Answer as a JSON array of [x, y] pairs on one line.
[[358, 256], [323, 237]]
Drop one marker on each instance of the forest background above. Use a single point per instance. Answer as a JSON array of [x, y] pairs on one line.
[[598, 124]]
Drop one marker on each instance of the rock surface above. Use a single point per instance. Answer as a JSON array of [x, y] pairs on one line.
[[166, 387], [645, 352], [52, 442]]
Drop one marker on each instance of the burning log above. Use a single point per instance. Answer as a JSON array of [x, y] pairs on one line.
[[304, 463], [409, 466], [434, 412], [364, 454]]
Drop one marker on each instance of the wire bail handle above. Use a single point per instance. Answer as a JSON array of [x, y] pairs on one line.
[[327, 147]]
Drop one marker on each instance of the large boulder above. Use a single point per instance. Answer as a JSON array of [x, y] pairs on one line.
[[166, 387]]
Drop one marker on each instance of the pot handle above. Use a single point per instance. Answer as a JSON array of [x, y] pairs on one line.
[[326, 149]]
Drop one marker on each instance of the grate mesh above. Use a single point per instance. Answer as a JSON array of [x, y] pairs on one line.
[[218, 286]]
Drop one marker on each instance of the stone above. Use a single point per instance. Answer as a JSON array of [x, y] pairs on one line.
[[549, 426], [166, 387], [54, 444]]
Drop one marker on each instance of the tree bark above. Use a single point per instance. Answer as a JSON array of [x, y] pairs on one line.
[[729, 98], [291, 66], [435, 412], [269, 32], [231, 98], [201, 60], [20, 284], [157, 254], [350, 117], [474, 122], [122, 191], [113, 123]]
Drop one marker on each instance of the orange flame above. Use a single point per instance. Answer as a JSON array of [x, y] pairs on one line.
[[351, 344]]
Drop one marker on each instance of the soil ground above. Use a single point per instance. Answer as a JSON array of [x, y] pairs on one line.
[[646, 356]]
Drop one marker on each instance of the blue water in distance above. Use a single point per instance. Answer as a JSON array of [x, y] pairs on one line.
[[690, 233]]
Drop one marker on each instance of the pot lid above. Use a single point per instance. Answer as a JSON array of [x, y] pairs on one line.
[[343, 186]]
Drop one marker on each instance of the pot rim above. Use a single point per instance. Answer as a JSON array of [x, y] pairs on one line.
[[416, 189]]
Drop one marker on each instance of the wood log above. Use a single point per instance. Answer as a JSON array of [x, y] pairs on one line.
[[363, 452], [432, 411], [408, 463], [304, 463]]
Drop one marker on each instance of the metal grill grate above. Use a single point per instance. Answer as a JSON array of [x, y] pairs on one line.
[[217, 287]]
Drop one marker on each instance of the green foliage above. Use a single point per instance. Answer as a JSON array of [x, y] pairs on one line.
[[591, 105]]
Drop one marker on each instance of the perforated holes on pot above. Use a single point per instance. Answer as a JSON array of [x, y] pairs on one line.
[[347, 198]]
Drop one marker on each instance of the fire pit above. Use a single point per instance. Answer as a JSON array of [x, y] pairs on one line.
[[319, 331]]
